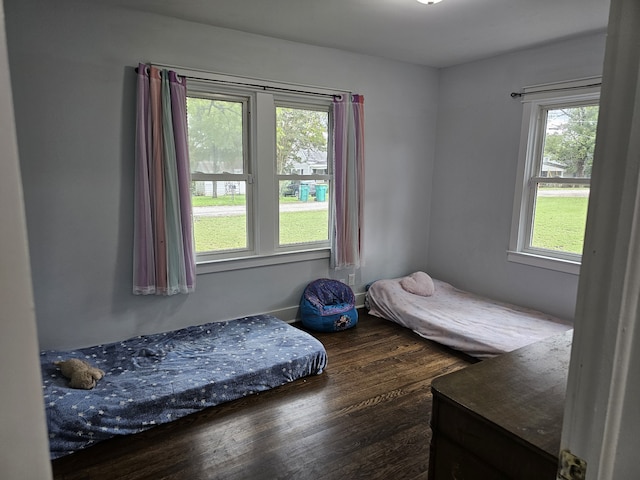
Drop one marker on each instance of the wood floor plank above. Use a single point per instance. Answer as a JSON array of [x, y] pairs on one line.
[[367, 416]]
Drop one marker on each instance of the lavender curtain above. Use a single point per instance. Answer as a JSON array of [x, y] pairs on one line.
[[163, 250], [348, 144]]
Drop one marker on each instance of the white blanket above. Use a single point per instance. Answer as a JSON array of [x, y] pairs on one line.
[[475, 325]]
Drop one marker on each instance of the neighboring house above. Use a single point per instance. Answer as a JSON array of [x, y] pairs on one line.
[[552, 169], [312, 162], [221, 188]]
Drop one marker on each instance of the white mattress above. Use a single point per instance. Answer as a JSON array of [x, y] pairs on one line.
[[475, 325]]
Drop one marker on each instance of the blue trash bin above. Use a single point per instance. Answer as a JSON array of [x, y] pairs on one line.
[[321, 193], [304, 193]]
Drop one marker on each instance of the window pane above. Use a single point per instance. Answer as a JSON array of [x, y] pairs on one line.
[[215, 135], [569, 141], [560, 217], [301, 149], [219, 215], [216, 146], [304, 212], [301, 141]]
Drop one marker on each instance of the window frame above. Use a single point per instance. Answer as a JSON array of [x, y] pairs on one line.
[[248, 102], [289, 101], [263, 247], [537, 101]]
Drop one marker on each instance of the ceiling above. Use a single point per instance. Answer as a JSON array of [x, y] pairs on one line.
[[440, 35]]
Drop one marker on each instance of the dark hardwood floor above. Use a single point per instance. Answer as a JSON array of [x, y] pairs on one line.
[[367, 416]]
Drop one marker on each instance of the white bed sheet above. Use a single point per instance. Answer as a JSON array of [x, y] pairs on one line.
[[475, 325]]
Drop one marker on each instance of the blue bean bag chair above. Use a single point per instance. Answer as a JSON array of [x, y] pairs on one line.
[[328, 306]]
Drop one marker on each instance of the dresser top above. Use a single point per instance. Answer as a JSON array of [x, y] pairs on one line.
[[522, 392]]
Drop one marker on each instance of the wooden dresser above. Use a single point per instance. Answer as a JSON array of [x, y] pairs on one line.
[[501, 418]]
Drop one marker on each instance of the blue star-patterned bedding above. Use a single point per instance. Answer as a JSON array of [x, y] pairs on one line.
[[154, 379]]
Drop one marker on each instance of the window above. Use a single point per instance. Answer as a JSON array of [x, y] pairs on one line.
[[301, 153], [260, 169], [554, 174], [218, 142]]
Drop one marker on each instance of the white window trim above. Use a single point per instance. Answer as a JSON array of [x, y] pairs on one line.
[[241, 263], [307, 103], [266, 250], [248, 101], [534, 99]]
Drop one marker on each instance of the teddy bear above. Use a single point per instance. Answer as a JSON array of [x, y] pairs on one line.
[[80, 373]]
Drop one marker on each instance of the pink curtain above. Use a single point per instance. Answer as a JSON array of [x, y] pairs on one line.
[[163, 253], [348, 144]]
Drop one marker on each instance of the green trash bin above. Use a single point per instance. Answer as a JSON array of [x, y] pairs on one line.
[[304, 193], [321, 193]]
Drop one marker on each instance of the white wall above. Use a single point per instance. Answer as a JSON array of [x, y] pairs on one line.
[[475, 172], [23, 434], [74, 90]]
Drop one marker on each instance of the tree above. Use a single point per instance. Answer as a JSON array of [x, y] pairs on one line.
[[571, 138], [299, 131], [215, 135]]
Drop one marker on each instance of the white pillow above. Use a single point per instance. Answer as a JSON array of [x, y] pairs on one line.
[[418, 283]]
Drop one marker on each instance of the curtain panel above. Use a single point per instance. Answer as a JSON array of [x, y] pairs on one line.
[[348, 144], [163, 253]]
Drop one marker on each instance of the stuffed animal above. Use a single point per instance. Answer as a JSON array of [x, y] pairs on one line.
[[80, 373]]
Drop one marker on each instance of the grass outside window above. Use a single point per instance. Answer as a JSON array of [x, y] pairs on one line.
[[559, 223], [229, 232]]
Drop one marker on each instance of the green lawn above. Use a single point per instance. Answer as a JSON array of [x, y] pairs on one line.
[[302, 227], [220, 233], [559, 223], [226, 233]]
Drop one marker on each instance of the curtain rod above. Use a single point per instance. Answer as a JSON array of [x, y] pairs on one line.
[[522, 94], [267, 88], [263, 87]]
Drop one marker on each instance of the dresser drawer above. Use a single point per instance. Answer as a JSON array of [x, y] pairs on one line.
[[451, 462], [489, 444]]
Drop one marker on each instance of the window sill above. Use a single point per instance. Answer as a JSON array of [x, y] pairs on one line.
[[229, 264], [540, 261]]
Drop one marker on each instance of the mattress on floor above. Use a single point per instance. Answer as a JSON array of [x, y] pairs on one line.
[[154, 379], [475, 325]]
